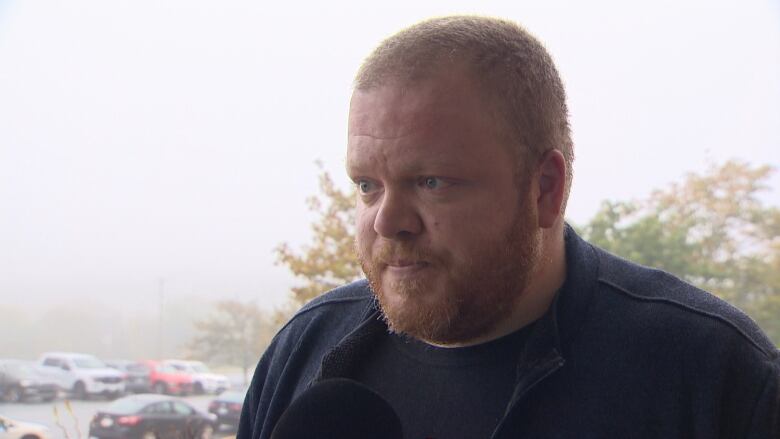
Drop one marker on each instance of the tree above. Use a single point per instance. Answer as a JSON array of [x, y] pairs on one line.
[[235, 333], [711, 230], [330, 260]]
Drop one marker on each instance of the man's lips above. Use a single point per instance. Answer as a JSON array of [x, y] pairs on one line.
[[404, 267]]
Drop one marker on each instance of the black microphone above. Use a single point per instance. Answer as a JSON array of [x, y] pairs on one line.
[[338, 408]]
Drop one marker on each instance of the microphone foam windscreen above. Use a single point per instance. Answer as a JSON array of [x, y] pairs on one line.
[[338, 408]]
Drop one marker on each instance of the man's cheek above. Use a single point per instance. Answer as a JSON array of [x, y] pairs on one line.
[[364, 229]]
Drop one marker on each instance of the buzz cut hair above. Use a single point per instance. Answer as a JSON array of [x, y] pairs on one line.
[[512, 68]]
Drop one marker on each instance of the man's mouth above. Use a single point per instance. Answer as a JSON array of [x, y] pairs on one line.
[[404, 267]]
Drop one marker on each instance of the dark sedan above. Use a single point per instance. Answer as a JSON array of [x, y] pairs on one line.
[[148, 416], [20, 381], [227, 407]]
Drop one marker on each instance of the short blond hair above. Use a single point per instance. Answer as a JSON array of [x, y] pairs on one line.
[[512, 67]]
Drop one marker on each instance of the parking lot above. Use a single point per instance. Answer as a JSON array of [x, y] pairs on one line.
[[75, 425]]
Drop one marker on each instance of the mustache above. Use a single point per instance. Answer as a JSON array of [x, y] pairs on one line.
[[389, 252]]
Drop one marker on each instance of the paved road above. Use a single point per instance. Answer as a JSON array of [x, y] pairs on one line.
[[78, 428]]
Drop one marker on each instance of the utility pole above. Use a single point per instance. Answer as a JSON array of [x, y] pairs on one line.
[[160, 321]]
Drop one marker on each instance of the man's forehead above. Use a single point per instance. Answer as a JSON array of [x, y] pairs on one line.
[[364, 150], [398, 106], [394, 109]]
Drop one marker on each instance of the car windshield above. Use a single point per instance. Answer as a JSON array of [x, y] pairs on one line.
[[166, 368], [199, 367], [126, 406], [88, 363], [138, 368], [179, 367]]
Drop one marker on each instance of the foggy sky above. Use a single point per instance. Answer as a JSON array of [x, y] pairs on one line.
[[176, 140]]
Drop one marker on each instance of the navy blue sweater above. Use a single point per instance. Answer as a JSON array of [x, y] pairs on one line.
[[624, 351]]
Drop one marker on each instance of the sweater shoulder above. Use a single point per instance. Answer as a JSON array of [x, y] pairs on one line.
[[357, 291], [693, 307], [339, 310]]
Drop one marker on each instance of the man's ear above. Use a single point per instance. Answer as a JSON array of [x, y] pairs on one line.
[[551, 181]]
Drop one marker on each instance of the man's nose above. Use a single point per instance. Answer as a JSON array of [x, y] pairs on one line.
[[397, 217]]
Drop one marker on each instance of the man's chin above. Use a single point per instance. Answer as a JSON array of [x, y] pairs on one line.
[[424, 315], [402, 303]]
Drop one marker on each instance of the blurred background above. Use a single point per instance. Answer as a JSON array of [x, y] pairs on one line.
[[156, 157]]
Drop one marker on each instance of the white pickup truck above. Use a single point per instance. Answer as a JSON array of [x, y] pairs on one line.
[[82, 374]]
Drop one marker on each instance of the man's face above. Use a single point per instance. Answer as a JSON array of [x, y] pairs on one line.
[[445, 233]]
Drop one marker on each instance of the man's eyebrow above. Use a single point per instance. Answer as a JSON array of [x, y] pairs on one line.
[[441, 168], [356, 168], [353, 163]]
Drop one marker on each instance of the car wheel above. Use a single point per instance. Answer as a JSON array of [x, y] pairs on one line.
[[198, 389], [207, 432], [80, 390], [160, 387], [13, 394]]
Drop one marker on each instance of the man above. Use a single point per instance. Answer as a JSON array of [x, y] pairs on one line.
[[484, 314]]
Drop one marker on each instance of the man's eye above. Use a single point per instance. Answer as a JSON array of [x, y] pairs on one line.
[[365, 186], [432, 182]]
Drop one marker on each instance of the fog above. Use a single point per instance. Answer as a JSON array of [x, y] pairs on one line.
[[161, 150]]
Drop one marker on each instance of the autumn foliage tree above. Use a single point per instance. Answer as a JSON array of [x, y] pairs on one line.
[[330, 260], [712, 230]]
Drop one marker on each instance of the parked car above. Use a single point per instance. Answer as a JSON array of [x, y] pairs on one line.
[[21, 381], [166, 379], [227, 407], [136, 375], [82, 374], [11, 429], [203, 380], [149, 416]]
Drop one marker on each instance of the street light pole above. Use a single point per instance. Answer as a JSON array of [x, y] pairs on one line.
[[160, 321]]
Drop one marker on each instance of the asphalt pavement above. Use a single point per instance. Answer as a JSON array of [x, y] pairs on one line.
[[74, 424]]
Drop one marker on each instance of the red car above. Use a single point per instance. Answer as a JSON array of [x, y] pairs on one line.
[[165, 379]]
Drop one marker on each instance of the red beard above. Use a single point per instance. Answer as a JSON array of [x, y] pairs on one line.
[[477, 295]]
